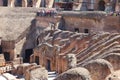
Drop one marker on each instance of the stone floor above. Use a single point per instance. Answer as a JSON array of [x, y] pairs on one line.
[[6, 76]]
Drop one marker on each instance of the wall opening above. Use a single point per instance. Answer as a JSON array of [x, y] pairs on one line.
[[30, 3], [0, 49], [101, 5], [76, 30], [37, 60], [18, 3], [86, 31], [43, 3], [48, 67], [7, 56], [18, 55], [61, 25], [37, 42], [28, 53], [5, 2], [67, 6]]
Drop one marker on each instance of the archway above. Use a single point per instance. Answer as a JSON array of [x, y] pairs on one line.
[[30, 3], [5, 2], [48, 67], [0, 49], [28, 53], [18, 3], [37, 60], [7, 56], [101, 5], [43, 3]]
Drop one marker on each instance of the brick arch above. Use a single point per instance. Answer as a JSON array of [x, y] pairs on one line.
[[12, 3]]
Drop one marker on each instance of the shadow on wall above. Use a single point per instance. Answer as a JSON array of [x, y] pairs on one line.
[[31, 34], [29, 43], [26, 52], [62, 24]]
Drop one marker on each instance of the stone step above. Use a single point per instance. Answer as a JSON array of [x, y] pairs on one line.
[[52, 72], [52, 75], [5, 69]]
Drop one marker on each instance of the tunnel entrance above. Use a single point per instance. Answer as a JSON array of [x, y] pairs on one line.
[[0, 49], [30, 3], [101, 5], [7, 56], [48, 67], [28, 53], [5, 2], [18, 3], [37, 60]]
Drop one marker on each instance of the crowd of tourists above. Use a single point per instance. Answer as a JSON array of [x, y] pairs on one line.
[[113, 13], [44, 12]]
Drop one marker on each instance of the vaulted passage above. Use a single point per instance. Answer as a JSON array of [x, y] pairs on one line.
[[37, 60], [7, 56], [48, 67], [30, 3], [5, 2], [18, 3], [101, 5], [0, 49], [28, 53]]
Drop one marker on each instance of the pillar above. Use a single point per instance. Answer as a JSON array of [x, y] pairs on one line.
[[43, 3], [11, 3], [51, 3], [34, 3], [92, 2], [24, 3], [37, 3], [79, 5]]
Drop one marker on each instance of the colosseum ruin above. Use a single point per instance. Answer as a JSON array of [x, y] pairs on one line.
[[59, 39]]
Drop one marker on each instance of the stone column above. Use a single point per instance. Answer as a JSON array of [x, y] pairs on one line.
[[43, 3], [34, 3], [24, 3], [79, 5], [51, 3], [37, 3], [1, 2], [11, 3]]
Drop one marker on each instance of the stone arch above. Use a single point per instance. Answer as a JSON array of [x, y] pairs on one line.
[[18, 3], [61, 25], [101, 5], [37, 3], [30, 3], [99, 69], [43, 3], [5, 2]]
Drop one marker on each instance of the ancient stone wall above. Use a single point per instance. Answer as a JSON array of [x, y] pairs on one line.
[[93, 22]]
